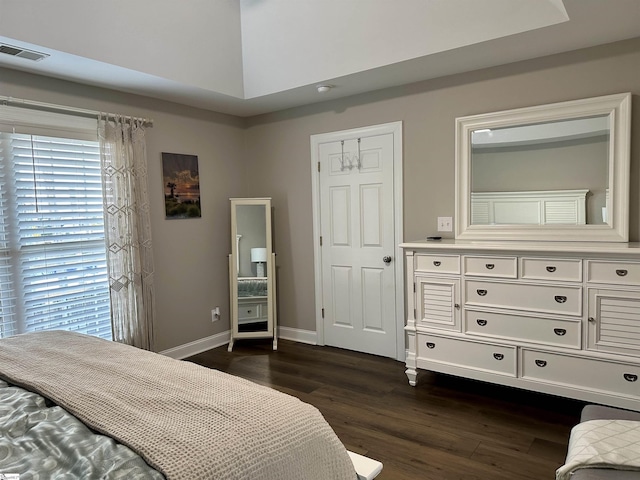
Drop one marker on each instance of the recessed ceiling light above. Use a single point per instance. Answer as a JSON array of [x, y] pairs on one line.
[[324, 88]]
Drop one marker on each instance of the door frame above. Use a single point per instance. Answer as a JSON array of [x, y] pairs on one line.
[[394, 128]]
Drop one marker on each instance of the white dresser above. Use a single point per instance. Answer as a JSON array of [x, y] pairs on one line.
[[555, 317]]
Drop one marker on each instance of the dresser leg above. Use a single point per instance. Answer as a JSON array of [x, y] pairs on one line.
[[412, 375]]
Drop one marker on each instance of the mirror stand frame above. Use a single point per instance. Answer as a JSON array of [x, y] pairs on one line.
[[271, 331], [617, 107]]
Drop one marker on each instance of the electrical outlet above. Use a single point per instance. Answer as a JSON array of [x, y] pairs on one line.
[[445, 224], [215, 314]]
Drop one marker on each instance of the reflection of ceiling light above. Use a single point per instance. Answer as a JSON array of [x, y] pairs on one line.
[[324, 88], [483, 130]]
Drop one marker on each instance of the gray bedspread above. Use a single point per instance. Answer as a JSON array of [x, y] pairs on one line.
[[187, 421], [41, 441]]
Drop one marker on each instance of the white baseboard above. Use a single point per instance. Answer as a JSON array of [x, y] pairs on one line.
[[298, 335], [198, 346], [219, 339]]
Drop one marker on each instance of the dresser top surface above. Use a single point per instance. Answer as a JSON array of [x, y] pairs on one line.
[[625, 249]]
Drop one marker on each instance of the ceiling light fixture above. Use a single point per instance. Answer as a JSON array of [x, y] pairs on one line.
[[324, 88]]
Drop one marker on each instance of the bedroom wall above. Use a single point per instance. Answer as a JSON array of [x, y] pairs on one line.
[[191, 266], [278, 152], [269, 155]]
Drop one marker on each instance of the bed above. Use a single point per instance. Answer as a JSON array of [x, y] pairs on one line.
[[81, 407]]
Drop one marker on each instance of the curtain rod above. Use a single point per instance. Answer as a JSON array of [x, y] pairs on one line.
[[81, 112]]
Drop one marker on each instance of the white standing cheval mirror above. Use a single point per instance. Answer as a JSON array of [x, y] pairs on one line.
[[252, 271], [556, 172]]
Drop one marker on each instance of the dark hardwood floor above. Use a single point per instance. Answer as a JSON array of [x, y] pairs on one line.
[[446, 428]]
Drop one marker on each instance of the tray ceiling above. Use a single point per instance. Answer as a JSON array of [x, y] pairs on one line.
[[247, 57]]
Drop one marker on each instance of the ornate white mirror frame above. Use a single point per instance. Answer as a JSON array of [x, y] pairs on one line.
[[614, 228]]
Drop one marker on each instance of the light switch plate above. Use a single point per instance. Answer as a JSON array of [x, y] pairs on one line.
[[445, 224]]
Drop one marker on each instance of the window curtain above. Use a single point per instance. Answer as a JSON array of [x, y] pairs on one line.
[[127, 229]]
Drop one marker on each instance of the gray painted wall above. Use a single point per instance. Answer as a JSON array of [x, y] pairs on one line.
[[269, 156], [278, 152], [190, 255]]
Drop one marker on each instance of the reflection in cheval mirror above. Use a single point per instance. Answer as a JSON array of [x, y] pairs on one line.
[[553, 172], [251, 270]]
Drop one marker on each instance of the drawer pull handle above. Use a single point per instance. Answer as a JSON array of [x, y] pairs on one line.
[[482, 293], [559, 331], [621, 272], [630, 377], [457, 305], [490, 266], [560, 298], [541, 363], [498, 356], [437, 263], [481, 322], [592, 320], [551, 269], [431, 345]]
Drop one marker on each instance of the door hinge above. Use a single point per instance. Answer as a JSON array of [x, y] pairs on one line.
[[414, 313], [323, 313], [414, 287], [320, 240], [318, 166]]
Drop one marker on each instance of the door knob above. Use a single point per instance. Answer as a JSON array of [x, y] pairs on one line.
[[386, 259]]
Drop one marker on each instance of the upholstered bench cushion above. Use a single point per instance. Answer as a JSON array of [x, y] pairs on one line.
[[598, 412]]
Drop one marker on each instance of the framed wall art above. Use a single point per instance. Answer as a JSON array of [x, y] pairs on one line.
[[181, 185]]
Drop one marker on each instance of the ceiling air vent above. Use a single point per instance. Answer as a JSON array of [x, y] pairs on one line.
[[21, 52]]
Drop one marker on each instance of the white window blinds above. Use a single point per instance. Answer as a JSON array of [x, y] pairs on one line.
[[52, 248]]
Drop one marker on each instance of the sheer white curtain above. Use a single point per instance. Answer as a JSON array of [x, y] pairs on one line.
[[127, 229]]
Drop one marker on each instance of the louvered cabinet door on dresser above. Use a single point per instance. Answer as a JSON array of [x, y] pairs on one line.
[[613, 307], [437, 288], [557, 318]]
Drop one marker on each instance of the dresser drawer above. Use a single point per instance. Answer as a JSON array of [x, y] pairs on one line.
[[625, 273], [562, 299], [469, 354], [587, 373], [551, 269], [437, 263], [548, 331], [249, 311], [506, 267]]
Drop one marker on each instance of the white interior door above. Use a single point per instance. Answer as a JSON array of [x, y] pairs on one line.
[[357, 229]]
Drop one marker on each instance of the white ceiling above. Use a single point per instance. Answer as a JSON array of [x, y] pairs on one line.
[[247, 57]]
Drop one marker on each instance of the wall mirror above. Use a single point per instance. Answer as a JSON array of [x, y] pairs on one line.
[[252, 271], [550, 172]]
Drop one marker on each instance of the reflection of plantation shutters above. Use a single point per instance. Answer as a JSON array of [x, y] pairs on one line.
[[52, 249]]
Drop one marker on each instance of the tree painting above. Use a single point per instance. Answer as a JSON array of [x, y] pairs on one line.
[[181, 185]]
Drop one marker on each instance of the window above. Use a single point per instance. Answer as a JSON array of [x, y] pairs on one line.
[[53, 271]]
